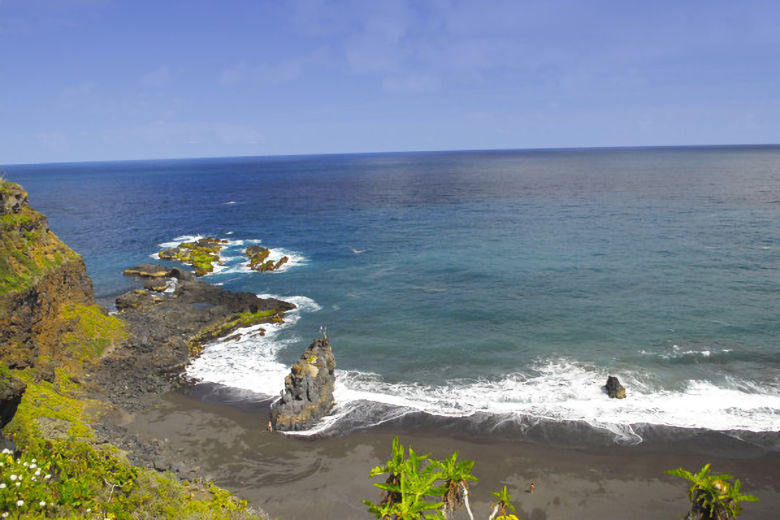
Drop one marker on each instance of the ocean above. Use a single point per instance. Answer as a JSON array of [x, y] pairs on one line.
[[495, 288]]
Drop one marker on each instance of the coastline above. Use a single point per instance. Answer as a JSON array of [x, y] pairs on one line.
[[221, 434]]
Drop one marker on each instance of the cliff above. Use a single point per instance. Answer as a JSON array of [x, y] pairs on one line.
[[57, 347], [39, 277]]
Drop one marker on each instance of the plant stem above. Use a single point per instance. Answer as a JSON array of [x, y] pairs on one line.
[[466, 499]]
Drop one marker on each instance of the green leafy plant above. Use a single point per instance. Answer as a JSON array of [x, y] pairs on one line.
[[409, 482], [713, 496], [456, 475], [503, 505], [419, 487], [25, 486]]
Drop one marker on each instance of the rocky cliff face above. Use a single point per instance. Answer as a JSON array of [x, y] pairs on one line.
[[11, 391], [308, 390], [39, 275]]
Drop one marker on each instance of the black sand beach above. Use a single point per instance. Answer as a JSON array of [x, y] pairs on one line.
[[290, 477]]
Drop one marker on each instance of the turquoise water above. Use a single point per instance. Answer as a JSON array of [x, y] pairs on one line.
[[495, 286]]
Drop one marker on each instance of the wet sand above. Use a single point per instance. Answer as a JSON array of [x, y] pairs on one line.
[[301, 478]]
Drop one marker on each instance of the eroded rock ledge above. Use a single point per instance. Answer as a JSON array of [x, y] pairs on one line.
[[167, 329]]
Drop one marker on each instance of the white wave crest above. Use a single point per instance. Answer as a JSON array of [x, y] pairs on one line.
[[303, 303], [249, 361], [294, 259], [677, 352], [178, 240], [556, 391]]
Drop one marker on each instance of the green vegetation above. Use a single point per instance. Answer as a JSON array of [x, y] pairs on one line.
[[418, 487], [92, 331], [62, 469], [63, 472], [715, 496], [27, 248], [503, 505], [456, 476], [258, 259], [202, 255]]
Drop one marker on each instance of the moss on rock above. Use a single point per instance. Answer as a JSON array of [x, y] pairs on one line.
[[259, 261], [92, 331], [28, 248], [201, 254]]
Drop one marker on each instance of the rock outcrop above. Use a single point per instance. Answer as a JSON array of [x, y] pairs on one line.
[[38, 276], [155, 277], [258, 259], [308, 390], [201, 254], [168, 329], [11, 391], [614, 388]]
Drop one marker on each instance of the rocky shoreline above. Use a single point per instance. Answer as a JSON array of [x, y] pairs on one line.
[[168, 321], [70, 371]]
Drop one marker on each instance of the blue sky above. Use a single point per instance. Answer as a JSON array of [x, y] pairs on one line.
[[131, 79]]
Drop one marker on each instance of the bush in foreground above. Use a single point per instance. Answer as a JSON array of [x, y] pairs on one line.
[[420, 487], [713, 497]]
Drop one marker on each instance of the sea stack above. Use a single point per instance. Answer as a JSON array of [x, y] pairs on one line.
[[614, 388], [308, 389]]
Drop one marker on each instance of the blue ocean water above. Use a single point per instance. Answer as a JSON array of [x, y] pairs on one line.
[[496, 286]]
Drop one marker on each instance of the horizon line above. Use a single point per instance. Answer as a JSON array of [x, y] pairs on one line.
[[398, 152]]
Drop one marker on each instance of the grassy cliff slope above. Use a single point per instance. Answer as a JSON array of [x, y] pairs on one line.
[[51, 334]]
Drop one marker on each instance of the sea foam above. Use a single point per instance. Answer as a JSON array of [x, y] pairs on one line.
[[556, 390]]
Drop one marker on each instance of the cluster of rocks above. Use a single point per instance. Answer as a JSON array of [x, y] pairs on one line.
[[201, 254], [258, 259], [308, 389]]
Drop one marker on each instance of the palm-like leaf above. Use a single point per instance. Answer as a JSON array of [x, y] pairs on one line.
[[715, 493], [504, 501]]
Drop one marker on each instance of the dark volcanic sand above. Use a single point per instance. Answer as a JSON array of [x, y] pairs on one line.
[[302, 478]]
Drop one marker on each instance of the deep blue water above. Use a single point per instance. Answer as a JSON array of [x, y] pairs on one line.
[[483, 284]]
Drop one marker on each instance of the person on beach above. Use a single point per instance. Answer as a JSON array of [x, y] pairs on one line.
[[531, 488], [270, 426]]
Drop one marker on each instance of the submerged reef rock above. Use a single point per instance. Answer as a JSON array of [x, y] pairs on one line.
[[308, 390], [201, 254], [258, 259], [614, 388]]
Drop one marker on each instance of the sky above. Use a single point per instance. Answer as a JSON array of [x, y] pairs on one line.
[[93, 80]]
